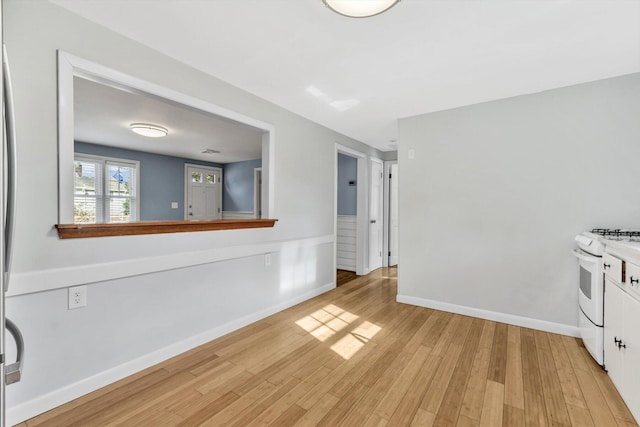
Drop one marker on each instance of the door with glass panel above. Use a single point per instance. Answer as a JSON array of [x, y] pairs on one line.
[[203, 193]]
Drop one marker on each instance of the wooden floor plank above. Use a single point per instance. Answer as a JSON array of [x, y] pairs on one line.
[[580, 416], [410, 402], [210, 410], [493, 405], [340, 410], [289, 417], [318, 411], [393, 396], [555, 405], [534, 410], [568, 380], [281, 405], [355, 357], [423, 419], [474, 393], [434, 395], [498, 362], [513, 386], [513, 417], [454, 394], [360, 414]]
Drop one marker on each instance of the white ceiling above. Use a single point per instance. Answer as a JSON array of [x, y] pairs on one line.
[[102, 115], [358, 76]]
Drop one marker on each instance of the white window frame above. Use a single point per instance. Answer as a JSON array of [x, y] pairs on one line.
[[105, 160]]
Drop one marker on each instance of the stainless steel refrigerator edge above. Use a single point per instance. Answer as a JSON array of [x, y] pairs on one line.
[[9, 373]]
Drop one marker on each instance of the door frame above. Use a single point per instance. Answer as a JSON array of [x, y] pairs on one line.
[[387, 211], [186, 186], [362, 209], [257, 177]]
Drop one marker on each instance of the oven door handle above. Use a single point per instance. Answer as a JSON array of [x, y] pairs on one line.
[[581, 255], [13, 372]]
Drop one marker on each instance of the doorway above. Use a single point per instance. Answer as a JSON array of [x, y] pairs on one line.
[[347, 201], [203, 193], [361, 215]]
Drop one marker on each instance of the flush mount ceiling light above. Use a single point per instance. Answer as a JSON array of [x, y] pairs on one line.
[[210, 151], [359, 8], [146, 129]]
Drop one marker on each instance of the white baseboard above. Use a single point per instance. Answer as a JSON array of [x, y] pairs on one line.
[[39, 405], [512, 319]]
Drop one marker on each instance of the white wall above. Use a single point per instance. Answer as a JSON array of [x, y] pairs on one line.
[[497, 191], [183, 294]]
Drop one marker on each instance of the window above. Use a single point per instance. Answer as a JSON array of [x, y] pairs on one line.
[[105, 189]]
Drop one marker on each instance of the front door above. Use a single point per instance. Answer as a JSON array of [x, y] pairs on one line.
[[203, 193], [375, 216]]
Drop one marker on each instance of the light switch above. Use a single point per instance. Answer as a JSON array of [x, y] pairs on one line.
[[411, 153], [174, 205]]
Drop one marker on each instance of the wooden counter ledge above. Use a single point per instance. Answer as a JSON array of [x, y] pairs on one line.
[[75, 231]]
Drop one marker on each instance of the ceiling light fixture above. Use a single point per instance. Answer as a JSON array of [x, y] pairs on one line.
[[359, 8], [146, 129]]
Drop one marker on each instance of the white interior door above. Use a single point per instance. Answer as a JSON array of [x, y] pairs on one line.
[[393, 216], [203, 193], [375, 215]]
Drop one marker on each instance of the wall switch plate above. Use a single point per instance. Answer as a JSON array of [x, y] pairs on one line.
[[267, 260], [411, 153], [174, 205], [77, 297]]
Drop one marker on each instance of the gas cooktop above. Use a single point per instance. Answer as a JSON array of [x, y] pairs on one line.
[[617, 234]]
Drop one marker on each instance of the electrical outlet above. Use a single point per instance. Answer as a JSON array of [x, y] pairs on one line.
[[77, 297], [267, 260], [174, 205]]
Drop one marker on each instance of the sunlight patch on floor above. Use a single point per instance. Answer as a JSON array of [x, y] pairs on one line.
[[329, 320]]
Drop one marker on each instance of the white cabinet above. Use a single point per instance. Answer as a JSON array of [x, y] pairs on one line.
[[632, 355], [613, 324], [622, 343]]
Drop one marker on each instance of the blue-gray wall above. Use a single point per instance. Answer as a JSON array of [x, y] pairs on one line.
[[347, 171], [161, 179], [238, 185]]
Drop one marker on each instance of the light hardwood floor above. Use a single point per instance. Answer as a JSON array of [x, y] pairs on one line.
[[353, 357], [344, 276]]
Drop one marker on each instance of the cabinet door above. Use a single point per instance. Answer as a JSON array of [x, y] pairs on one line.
[[632, 356], [614, 299], [612, 267], [633, 279]]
